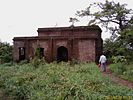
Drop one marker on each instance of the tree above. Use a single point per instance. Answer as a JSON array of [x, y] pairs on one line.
[[5, 53], [127, 37], [113, 16], [116, 18]]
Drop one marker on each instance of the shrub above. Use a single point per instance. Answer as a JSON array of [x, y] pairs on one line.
[[36, 62], [117, 59], [7, 64], [118, 68], [5, 53], [74, 62], [23, 62]]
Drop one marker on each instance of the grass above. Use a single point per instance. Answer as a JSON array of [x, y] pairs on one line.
[[122, 70], [61, 81]]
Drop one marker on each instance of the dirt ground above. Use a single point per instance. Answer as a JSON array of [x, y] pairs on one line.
[[118, 80]]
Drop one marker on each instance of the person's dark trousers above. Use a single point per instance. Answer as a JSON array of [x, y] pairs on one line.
[[103, 66]]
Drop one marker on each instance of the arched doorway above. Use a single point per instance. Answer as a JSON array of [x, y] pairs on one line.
[[62, 54]]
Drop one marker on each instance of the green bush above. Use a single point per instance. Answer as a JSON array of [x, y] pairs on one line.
[[18, 88], [5, 53], [118, 68], [74, 62], [35, 62], [23, 62], [119, 59], [7, 64]]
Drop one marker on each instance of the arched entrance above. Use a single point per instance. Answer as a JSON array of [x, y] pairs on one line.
[[62, 54]]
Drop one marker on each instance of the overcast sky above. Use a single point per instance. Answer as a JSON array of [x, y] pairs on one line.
[[24, 17]]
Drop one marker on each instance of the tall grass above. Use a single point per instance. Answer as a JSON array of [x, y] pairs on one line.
[[61, 81], [123, 70]]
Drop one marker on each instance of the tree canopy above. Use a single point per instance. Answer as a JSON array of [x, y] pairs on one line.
[[116, 18], [109, 13]]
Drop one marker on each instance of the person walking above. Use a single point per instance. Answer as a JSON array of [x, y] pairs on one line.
[[102, 61]]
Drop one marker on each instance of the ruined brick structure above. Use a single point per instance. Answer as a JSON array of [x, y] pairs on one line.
[[83, 43]]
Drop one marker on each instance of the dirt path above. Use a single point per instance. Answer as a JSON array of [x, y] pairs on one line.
[[118, 80]]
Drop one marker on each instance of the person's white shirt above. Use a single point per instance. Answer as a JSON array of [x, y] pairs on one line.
[[102, 59]]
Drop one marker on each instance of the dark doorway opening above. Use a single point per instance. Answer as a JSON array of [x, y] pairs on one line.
[[62, 54], [39, 52], [21, 53]]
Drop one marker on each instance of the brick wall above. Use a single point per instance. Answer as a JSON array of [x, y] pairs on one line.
[[82, 42]]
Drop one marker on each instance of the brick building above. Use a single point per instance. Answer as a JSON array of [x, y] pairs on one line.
[[83, 43]]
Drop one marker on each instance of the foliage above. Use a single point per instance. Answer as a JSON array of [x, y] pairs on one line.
[[58, 81], [35, 62], [123, 70], [38, 59], [114, 49], [127, 37], [74, 62], [5, 53], [109, 13], [118, 68], [116, 18], [117, 59], [23, 62], [8, 64], [37, 53]]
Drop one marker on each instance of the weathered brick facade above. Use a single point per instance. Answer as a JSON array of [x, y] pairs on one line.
[[83, 43]]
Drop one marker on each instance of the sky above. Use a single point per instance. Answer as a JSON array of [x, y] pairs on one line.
[[23, 17]]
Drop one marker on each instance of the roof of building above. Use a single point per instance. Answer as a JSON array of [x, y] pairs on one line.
[[92, 27]]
